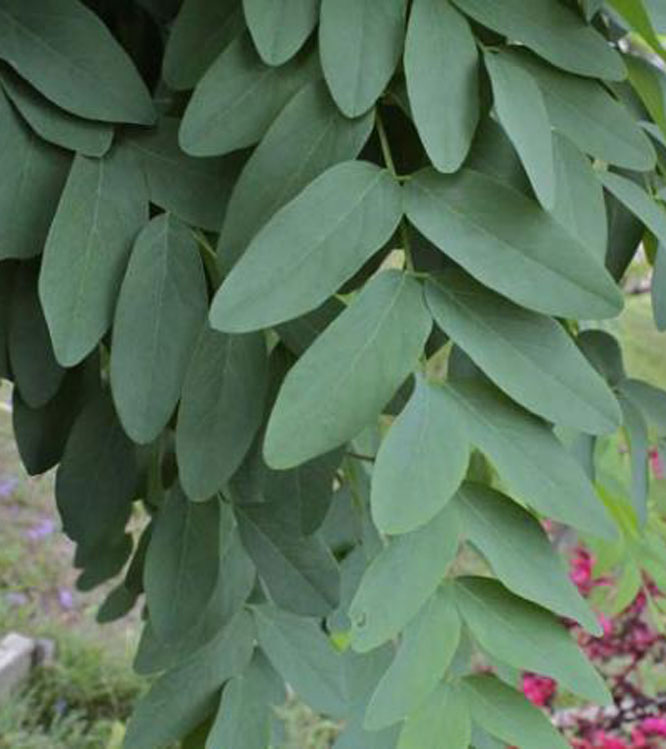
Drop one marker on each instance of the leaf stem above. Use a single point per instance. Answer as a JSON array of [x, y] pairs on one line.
[[390, 165]]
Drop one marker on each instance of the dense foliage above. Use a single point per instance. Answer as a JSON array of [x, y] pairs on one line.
[[323, 287]]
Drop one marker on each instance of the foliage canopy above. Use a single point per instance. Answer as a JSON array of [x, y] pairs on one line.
[[324, 286]]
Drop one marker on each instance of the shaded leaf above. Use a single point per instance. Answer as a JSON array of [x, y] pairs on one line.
[[221, 409], [33, 175], [299, 571], [201, 31], [237, 99], [442, 720], [73, 60], [161, 308], [103, 206], [196, 190], [53, 124], [182, 563], [307, 137]]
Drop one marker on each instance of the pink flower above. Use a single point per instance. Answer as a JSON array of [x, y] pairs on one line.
[[539, 689], [656, 464], [638, 739], [606, 624], [654, 726], [603, 741]]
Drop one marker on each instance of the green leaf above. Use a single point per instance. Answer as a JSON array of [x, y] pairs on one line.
[[41, 433], [440, 55], [651, 213], [509, 243], [201, 31], [636, 14], [305, 658], [525, 636], [420, 463], [299, 334], [54, 124], [221, 409], [346, 377], [360, 43], [279, 28], [507, 714], [33, 174], [522, 112], [604, 353], [182, 563], [529, 356], [648, 82], [184, 696], [579, 198], [104, 562], [657, 13], [589, 116], [161, 309], [658, 289], [443, 720], [506, 535], [309, 136], [244, 718], [98, 476], [7, 275], [310, 247], [196, 190], [103, 206], [636, 430], [299, 571], [529, 458], [383, 605], [235, 580], [650, 399], [73, 60], [37, 374], [554, 32], [426, 650], [238, 98]]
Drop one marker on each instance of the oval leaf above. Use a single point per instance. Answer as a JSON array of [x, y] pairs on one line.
[[554, 32], [529, 458], [442, 720], [522, 111], [347, 376], [310, 248], [279, 28], [73, 60], [103, 206], [221, 409], [161, 308], [237, 100], [530, 356], [420, 463], [309, 136], [401, 579], [509, 243], [440, 55], [360, 43], [182, 563]]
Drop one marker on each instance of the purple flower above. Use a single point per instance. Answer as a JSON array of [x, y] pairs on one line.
[[16, 599], [7, 485], [41, 530], [65, 598]]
